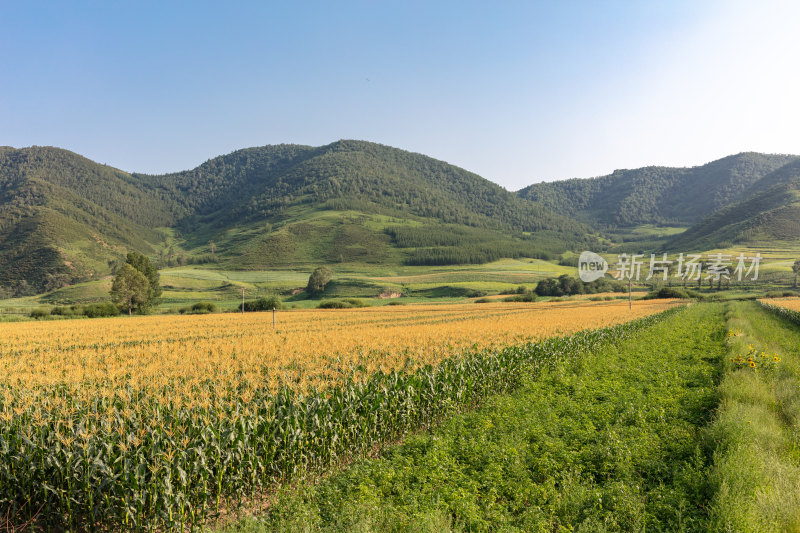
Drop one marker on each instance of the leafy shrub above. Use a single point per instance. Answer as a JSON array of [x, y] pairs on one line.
[[200, 308], [347, 303], [333, 304], [570, 260], [672, 292], [100, 310], [448, 291], [318, 279], [264, 304], [528, 296], [483, 301], [781, 294], [66, 311], [204, 307], [565, 285], [40, 313]]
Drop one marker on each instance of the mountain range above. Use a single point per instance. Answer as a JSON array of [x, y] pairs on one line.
[[65, 218]]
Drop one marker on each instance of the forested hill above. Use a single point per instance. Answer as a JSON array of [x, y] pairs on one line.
[[64, 218], [770, 215], [658, 195], [265, 182]]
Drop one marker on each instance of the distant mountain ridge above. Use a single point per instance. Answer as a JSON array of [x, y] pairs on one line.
[[65, 218], [770, 215], [659, 195]]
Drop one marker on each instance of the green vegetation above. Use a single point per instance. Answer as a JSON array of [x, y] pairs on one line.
[[610, 438], [249, 444], [356, 204], [64, 218], [264, 304], [136, 284], [690, 425], [796, 270], [449, 244], [150, 272], [318, 279], [671, 292], [200, 308], [67, 219], [523, 295], [257, 183], [756, 474], [130, 289], [743, 199], [566, 285], [660, 195], [769, 216], [342, 304], [94, 310]]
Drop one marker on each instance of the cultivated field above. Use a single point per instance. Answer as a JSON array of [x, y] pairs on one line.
[[136, 422], [689, 424], [307, 347], [792, 304]]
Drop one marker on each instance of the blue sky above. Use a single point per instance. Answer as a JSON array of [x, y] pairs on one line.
[[518, 92]]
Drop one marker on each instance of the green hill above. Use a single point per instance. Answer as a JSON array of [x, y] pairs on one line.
[[769, 216], [354, 201], [66, 219], [265, 182], [658, 195]]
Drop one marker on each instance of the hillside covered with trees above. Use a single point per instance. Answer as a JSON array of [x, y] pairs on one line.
[[67, 219], [660, 195]]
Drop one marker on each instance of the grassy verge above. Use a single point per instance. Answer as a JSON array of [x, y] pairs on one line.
[[612, 442], [757, 462]]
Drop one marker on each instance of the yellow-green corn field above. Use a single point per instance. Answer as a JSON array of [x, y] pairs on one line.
[[159, 422]]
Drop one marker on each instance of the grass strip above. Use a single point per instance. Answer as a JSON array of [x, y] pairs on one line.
[[757, 432]]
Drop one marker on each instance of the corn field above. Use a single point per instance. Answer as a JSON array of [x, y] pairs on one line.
[[787, 308], [158, 423]]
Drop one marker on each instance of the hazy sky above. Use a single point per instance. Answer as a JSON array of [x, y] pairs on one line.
[[518, 92]]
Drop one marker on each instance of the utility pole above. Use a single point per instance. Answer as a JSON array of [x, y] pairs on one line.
[[273, 318], [242, 300], [630, 293]]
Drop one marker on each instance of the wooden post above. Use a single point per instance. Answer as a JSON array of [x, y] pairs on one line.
[[242, 300], [273, 318], [630, 294]]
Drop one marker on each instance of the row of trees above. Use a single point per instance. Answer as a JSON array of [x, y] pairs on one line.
[[566, 285]]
